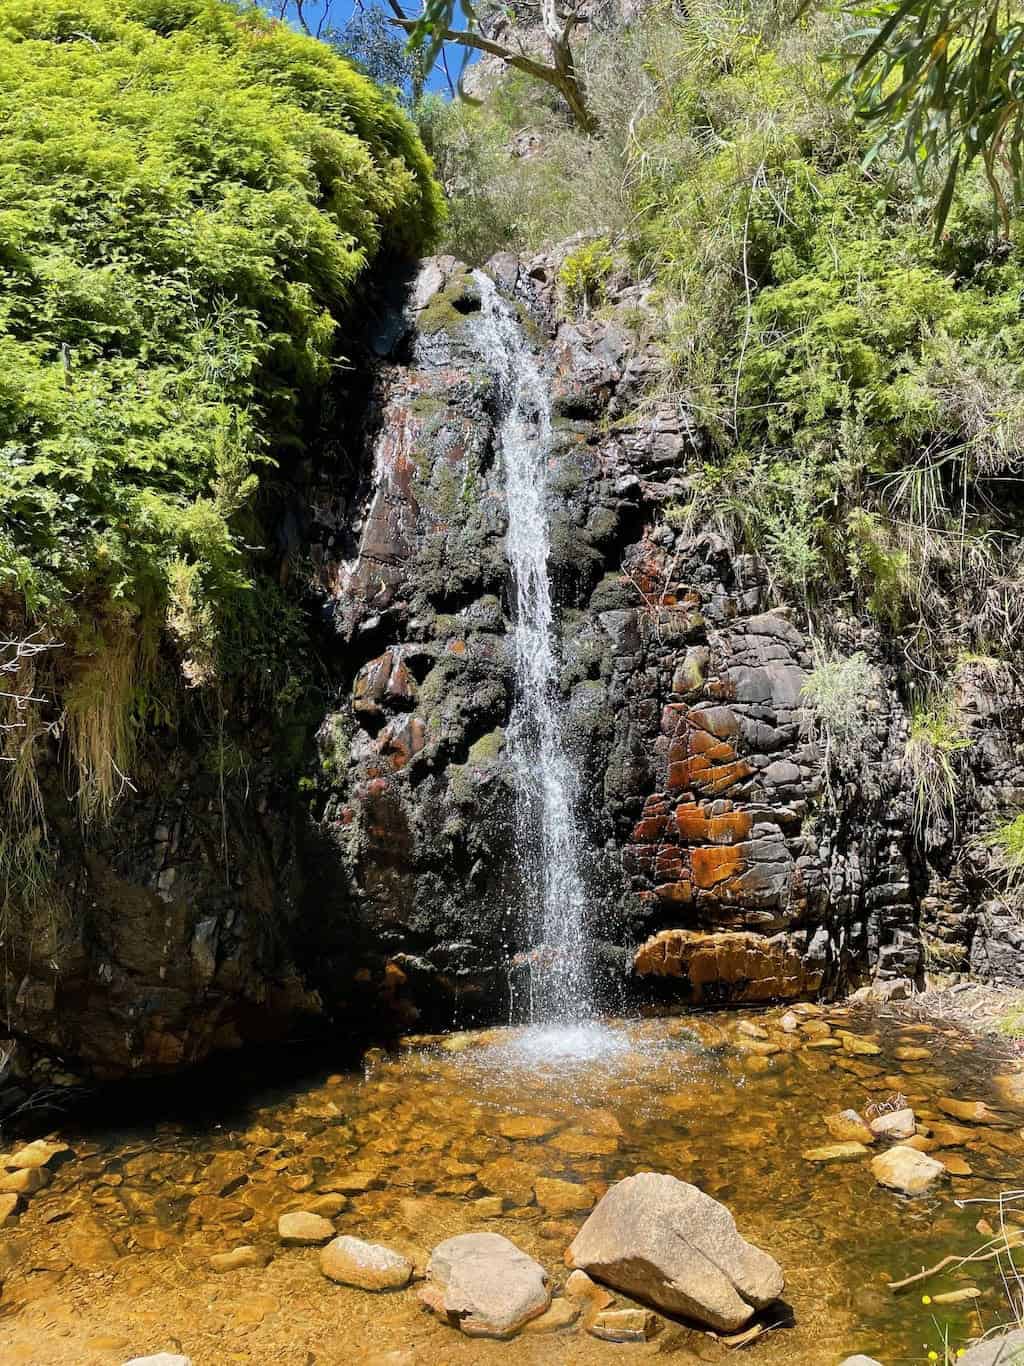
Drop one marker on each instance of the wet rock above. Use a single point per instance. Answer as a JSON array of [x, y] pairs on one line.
[[998, 1351], [860, 1360], [858, 1046], [906, 1170], [26, 1181], [733, 964], [326, 1205], [9, 1205], [624, 1325], [489, 1206], [526, 1126], [836, 1152], [90, 1248], [667, 1243], [238, 1258], [1010, 1086], [302, 1229], [955, 1165], [581, 1288], [561, 1314], [952, 1135], [846, 1126], [484, 1285], [368, 1266], [585, 1145], [909, 1052], [561, 1197], [351, 1183], [38, 1154], [508, 1177], [895, 1124], [971, 1111]]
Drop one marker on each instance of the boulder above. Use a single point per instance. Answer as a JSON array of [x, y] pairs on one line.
[[1004, 1350], [368, 1266], [485, 1285], [906, 1170], [859, 1360], [302, 1229], [895, 1125], [668, 1244]]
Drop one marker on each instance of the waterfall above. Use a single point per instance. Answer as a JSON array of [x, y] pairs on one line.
[[547, 836]]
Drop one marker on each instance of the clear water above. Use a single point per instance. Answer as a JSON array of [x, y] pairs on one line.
[[111, 1260], [547, 832]]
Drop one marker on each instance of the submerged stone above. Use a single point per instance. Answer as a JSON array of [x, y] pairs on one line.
[[836, 1152], [667, 1243], [302, 1229], [368, 1266], [624, 1325], [846, 1126]]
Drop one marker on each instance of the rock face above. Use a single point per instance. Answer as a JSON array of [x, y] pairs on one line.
[[484, 1285], [668, 1244], [370, 873]]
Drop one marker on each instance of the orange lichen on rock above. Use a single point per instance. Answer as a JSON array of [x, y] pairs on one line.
[[734, 965], [713, 864]]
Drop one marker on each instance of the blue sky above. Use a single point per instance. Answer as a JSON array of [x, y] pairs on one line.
[[320, 14]]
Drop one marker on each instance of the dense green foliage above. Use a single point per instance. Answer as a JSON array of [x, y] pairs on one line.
[[948, 79], [861, 382], [188, 194]]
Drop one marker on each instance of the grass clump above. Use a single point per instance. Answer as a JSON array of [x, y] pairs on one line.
[[189, 194], [584, 271], [1006, 840], [936, 736]]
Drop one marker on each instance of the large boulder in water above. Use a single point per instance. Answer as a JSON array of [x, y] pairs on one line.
[[485, 1285], [667, 1243]]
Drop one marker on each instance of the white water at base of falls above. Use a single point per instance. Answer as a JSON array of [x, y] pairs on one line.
[[547, 834]]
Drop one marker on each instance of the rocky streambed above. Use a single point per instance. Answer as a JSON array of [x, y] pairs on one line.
[[312, 1222]]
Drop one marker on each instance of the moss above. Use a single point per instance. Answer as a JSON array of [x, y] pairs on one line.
[[448, 309], [487, 748]]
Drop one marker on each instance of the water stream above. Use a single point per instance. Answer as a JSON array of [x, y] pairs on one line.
[[548, 838]]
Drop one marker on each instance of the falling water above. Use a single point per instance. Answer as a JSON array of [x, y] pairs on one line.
[[547, 834]]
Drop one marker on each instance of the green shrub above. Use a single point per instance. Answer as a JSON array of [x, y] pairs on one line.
[[189, 193], [584, 271]]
